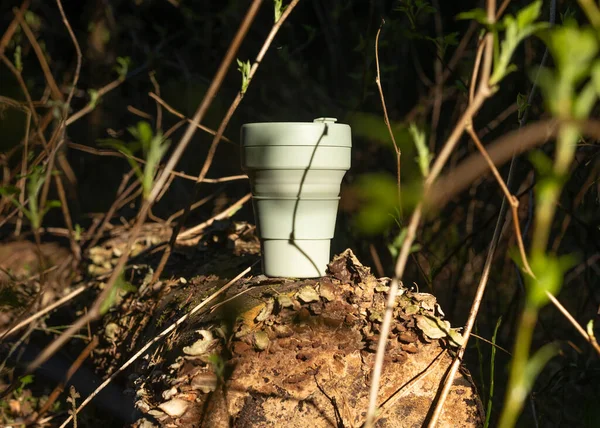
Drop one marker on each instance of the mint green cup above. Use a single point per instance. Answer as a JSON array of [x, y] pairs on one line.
[[295, 171]]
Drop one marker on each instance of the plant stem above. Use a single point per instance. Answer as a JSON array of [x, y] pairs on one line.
[[517, 389], [547, 200]]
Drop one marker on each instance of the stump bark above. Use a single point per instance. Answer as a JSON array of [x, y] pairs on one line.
[[299, 353]]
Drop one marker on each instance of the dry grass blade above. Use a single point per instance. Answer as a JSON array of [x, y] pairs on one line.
[[156, 339], [194, 231], [44, 311]]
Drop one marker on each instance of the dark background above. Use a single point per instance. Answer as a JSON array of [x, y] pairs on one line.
[[322, 63]]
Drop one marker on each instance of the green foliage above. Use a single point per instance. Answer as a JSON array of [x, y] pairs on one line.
[[522, 105], [34, 182], [78, 232], [590, 329], [488, 412], [535, 365], [373, 128], [396, 245], [94, 97], [244, 68], [278, 9], [424, 157], [413, 8], [549, 271], [516, 30], [378, 192], [18, 59], [574, 51], [478, 15], [122, 67], [24, 381], [120, 288], [380, 207], [153, 148], [218, 364]]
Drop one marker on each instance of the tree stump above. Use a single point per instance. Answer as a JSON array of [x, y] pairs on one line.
[[299, 353]]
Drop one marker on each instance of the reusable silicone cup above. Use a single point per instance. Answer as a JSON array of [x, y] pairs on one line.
[[295, 171]]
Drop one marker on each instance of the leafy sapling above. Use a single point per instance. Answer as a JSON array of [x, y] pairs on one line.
[[32, 210], [153, 148]]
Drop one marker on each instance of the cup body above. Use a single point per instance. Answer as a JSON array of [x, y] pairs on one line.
[[295, 172]]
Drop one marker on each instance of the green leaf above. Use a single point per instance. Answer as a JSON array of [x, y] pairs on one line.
[[122, 67], [585, 101], [478, 15], [94, 97], [379, 194], [424, 157], [528, 15], [24, 381], [396, 245], [120, 286], [535, 365], [595, 74], [549, 271], [143, 134], [517, 29], [590, 329], [18, 59], [373, 128], [278, 9], [244, 68], [522, 105]]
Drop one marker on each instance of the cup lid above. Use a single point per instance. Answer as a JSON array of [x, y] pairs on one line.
[[322, 131]]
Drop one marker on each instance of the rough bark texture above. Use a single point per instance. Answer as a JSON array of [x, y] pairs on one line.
[[299, 353]]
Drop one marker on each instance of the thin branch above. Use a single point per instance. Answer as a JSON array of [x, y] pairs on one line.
[[113, 153], [390, 403], [501, 151], [158, 106], [79, 56], [56, 94], [590, 339], [72, 370], [12, 27], [387, 119], [91, 106], [512, 200], [174, 112], [194, 231]]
